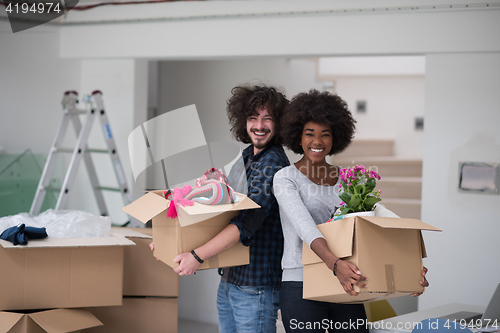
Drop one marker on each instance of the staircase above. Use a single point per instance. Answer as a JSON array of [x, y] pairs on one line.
[[401, 179]]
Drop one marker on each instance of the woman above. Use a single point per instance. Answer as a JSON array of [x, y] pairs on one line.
[[316, 125]]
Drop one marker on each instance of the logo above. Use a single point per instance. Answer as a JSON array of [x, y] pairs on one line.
[[26, 14]]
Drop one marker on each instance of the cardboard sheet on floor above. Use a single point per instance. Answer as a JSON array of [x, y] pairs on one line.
[[58, 320]]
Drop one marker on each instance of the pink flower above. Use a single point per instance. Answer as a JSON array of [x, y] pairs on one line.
[[340, 185]]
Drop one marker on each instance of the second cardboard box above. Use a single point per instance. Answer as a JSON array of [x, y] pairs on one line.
[[388, 251], [194, 226]]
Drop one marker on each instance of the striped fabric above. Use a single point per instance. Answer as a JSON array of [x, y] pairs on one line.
[[212, 192]]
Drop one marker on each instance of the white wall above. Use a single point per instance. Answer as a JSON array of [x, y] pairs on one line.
[[462, 124], [32, 81], [371, 66], [392, 104], [279, 28]]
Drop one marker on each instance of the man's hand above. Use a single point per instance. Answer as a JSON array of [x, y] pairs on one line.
[[349, 276], [187, 264], [424, 283]]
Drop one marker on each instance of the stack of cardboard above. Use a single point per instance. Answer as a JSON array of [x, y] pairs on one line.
[[150, 291], [62, 275]]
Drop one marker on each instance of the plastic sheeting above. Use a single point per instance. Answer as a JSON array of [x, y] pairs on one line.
[[62, 223]]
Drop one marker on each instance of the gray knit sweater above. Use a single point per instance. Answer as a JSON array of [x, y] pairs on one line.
[[303, 205]]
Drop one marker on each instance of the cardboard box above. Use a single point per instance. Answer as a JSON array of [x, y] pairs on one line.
[[143, 275], [388, 251], [138, 314], [62, 273], [194, 226], [59, 320]]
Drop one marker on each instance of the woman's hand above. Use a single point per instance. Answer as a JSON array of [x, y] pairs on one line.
[[349, 276], [424, 283], [347, 273], [187, 264]]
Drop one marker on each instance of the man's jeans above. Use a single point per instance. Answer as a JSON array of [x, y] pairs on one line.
[[247, 309]]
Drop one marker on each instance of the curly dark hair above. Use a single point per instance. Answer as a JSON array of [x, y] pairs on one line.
[[245, 100], [322, 108]]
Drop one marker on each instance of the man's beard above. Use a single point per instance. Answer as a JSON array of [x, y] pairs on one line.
[[260, 144]]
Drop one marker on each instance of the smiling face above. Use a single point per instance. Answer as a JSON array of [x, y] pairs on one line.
[[316, 141], [260, 128]]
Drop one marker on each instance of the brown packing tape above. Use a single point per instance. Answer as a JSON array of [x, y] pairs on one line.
[[356, 302], [389, 278], [381, 297], [391, 285]]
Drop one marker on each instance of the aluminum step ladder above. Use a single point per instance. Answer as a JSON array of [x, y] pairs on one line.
[[94, 108]]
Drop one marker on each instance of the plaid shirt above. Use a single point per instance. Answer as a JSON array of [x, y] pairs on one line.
[[259, 228]]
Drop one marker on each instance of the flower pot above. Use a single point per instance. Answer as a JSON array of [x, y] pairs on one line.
[[369, 213]]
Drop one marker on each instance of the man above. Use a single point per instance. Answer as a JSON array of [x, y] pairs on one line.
[[248, 296]]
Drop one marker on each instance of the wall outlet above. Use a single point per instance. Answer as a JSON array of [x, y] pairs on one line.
[[419, 123], [361, 106]]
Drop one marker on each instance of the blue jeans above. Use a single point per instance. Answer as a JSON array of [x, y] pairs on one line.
[[247, 309]]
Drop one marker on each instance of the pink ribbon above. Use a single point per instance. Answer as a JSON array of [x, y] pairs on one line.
[[178, 199]]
